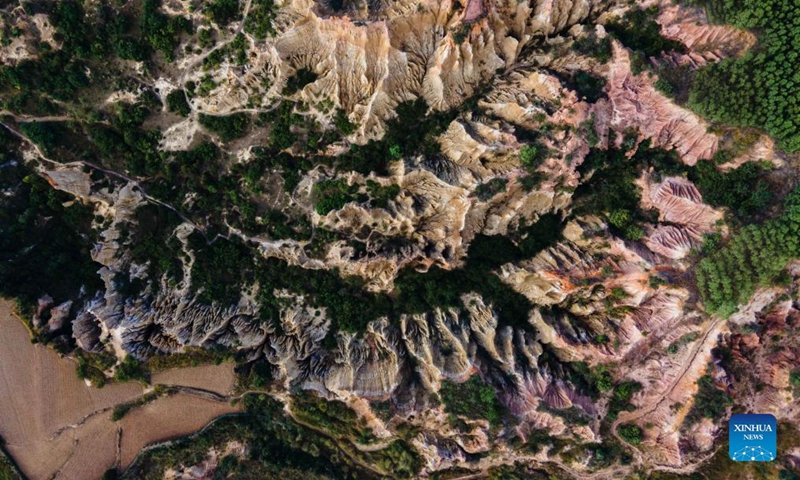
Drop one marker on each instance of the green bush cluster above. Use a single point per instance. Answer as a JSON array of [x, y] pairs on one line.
[[221, 269], [608, 187], [630, 433], [228, 127], [7, 469], [129, 370], [260, 17], [472, 399], [760, 89], [161, 31], [413, 131], [587, 85], [485, 191], [684, 340], [589, 44], [380, 195], [176, 102], [333, 194], [744, 189], [639, 31], [222, 12], [620, 399], [299, 80], [709, 402], [333, 416], [122, 409], [91, 366], [47, 135], [153, 243]]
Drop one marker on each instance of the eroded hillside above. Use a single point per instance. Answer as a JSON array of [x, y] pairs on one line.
[[445, 239]]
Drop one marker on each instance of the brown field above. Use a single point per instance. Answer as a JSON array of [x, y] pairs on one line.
[[55, 426], [214, 378], [40, 390], [177, 416]]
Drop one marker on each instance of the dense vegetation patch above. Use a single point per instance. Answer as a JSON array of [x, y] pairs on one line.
[[414, 131], [260, 18], [278, 448], [222, 12], [153, 243], [333, 416], [639, 31], [621, 397], [44, 246], [485, 191], [122, 409], [608, 187], [299, 80], [681, 342], [754, 257], [176, 102], [630, 433], [761, 89], [588, 86], [8, 470], [471, 399], [332, 195], [228, 127], [221, 269], [709, 402]]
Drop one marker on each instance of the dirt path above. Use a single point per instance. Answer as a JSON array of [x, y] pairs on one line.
[[711, 329]]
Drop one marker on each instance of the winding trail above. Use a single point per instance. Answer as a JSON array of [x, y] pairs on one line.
[[699, 346]]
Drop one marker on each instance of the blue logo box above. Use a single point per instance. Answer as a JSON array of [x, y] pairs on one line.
[[752, 437]]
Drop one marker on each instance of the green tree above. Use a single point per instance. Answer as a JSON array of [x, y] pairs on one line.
[[630, 433]]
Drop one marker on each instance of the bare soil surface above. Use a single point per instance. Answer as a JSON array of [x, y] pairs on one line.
[[214, 378], [175, 416], [57, 427]]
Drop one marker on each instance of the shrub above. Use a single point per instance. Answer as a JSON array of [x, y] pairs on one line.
[[709, 402], [260, 18], [527, 156], [130, 369], [176, 102], [222, 12], [227, 127], [486, 191], [472, 399], [630, 433], [638, 30], [332, 195]]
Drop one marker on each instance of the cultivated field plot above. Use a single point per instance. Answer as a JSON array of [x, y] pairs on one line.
[[214, 378], [174, 416], [55, 426]]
